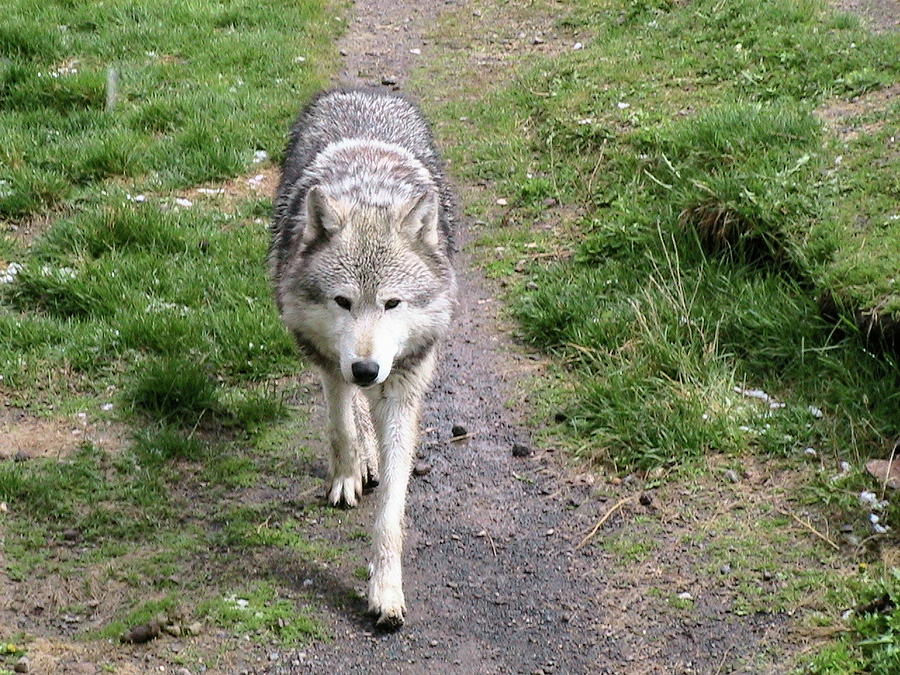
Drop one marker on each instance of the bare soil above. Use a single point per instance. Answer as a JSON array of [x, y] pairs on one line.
[[879, 16]]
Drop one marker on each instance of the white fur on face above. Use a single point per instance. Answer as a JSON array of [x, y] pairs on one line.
[[372, 334]]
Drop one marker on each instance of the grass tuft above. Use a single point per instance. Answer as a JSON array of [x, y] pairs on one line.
[[176, 390]]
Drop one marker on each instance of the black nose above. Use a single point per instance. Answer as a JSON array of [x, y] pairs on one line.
[[364, 372]]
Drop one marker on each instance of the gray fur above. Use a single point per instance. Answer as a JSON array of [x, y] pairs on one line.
[[376, 183], [342, 114]]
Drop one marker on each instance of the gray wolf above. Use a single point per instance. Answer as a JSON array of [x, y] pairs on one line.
[[360, 260]]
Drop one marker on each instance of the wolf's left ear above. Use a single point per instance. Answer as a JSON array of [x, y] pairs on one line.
[[422, 219], [323, 215]]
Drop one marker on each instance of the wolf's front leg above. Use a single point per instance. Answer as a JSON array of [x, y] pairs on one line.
[[345, 487], [396, 415]]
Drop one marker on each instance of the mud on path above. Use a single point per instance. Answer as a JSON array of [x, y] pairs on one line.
[[493, 577]]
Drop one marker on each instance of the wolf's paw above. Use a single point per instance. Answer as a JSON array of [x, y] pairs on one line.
[[387, 604], [345, 491]]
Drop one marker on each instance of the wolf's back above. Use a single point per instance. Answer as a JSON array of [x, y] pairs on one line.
[[343, 114]]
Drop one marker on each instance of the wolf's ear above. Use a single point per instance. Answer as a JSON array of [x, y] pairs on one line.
[[422, 219], [323, 217]]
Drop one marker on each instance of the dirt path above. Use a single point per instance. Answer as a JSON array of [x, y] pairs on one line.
[[493, 579]]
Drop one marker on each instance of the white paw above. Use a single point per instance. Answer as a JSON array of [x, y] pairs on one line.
[[345, 490], [387, 603]]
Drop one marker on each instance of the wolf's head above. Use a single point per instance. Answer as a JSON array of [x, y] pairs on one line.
[[370, 285]]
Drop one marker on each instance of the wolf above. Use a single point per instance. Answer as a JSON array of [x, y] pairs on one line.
[[361, 264]]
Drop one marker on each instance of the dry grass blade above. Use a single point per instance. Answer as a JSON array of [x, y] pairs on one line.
[[809, 527], [618, 505]]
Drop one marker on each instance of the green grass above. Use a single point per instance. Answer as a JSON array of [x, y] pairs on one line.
[[161, 308], [202, 86], [260, 611], [120, 285], [871, 643], [711, 236], [708, 219]]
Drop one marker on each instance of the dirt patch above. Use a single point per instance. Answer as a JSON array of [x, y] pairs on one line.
[[261, 181], [880, 16], [847, 119], [25, 436]]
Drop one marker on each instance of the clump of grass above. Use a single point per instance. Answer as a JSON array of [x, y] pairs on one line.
[[744, 176], [157, 446], [119, 282], [176, 390]]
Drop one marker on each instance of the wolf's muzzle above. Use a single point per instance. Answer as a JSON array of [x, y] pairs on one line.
[[364, 372]]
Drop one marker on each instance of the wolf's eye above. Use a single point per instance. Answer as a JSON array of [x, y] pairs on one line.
[[393, 302], [343, 302]]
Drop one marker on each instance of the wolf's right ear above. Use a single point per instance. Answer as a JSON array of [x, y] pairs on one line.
[[323, 217]]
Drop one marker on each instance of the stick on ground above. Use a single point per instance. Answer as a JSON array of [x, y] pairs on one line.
[[619, 504]]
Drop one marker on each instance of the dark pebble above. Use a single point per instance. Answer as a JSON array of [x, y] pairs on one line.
[[519, 450], [71, 535], [458, 430], [422, 468], [560, 417], [645, 500], [21, 456]]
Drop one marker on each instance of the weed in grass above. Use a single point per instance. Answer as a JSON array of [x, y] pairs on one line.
[[872, 643]]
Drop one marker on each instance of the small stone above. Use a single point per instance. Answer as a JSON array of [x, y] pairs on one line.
[[22, 665], [560, 417], [538, 40], [422, 468], [725, 569], [193, 629], [389, 80], [142, 633], [519, 450], [71, 535], [458, 430], [885, 472], [767, 576], [21, 456], [645, 499], [732, 476]]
